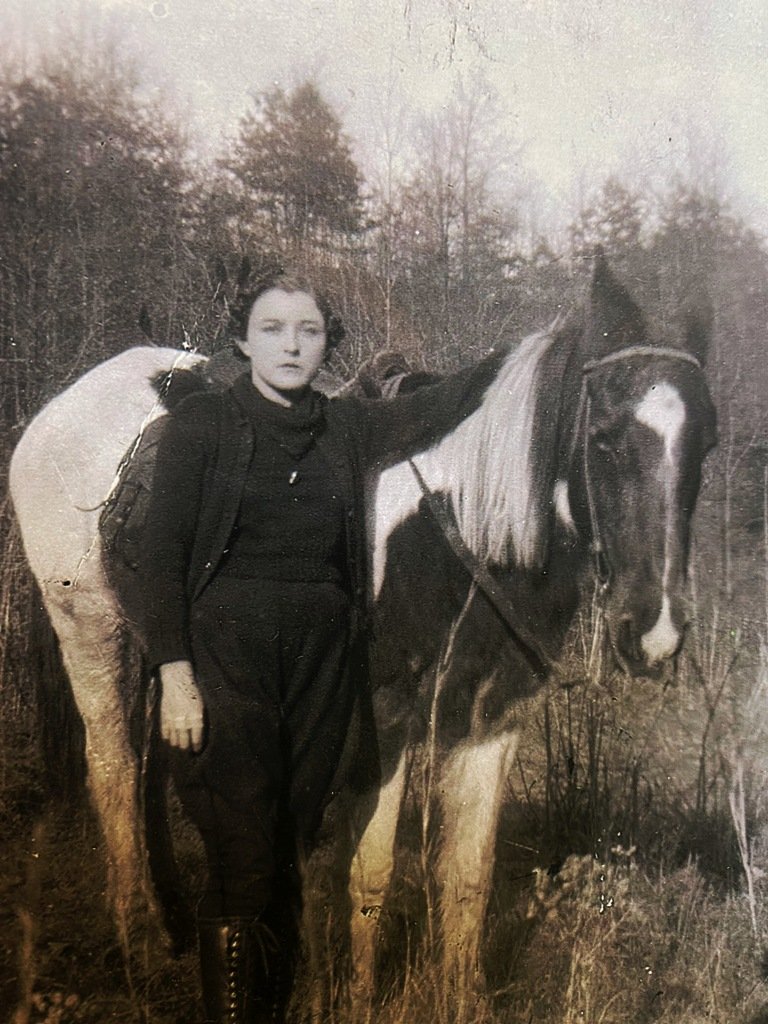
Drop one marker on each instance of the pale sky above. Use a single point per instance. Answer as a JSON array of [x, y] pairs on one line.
[[588, 87]]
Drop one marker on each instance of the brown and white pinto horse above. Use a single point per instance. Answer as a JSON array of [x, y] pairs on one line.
[[586, 452], [591, 437]]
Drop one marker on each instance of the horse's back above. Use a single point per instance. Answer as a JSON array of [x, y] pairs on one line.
[[67, 459]]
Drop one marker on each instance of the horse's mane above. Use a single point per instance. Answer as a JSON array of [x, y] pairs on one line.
[[500, 465]]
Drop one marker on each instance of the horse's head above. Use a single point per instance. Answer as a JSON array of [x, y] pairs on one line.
[[645, 420]]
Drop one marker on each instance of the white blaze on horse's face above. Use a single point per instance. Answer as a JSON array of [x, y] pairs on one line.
[[662, 410]]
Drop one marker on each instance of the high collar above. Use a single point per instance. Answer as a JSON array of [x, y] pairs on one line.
[[293, 427]]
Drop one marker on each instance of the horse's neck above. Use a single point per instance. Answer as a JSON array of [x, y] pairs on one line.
[[489, 466]]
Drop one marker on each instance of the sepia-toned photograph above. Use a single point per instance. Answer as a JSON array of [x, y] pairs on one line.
[[384, 512]]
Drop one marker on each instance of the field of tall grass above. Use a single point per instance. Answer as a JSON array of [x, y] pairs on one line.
[[632, 858]]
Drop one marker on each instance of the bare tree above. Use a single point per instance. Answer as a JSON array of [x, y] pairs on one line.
[[452, 239], [93, 214]]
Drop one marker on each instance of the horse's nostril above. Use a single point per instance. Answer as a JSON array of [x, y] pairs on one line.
[[625, 640]]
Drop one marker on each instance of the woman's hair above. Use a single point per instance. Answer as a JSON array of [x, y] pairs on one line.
[[240, 310]]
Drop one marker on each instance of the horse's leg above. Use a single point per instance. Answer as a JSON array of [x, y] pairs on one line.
[[471, 791], [177, 915], [325, 874], [353, 858], [370, 874], [91, 640]]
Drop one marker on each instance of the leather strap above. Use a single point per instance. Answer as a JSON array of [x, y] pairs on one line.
[[494, 589]]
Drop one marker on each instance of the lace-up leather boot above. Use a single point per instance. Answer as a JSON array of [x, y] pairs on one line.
[[229, 967]]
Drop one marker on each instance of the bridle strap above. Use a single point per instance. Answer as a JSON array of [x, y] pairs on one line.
[[602, 567], [641, 350]]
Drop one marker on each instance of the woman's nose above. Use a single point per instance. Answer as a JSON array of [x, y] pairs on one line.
[[291, 339]]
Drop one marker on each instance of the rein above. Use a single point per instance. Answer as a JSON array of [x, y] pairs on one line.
[[495, 590]]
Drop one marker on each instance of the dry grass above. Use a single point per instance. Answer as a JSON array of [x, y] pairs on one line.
[[632, 861]]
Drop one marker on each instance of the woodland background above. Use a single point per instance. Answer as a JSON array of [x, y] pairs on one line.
[[648, 809]]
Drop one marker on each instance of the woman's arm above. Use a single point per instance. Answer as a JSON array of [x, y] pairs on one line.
[[401, 426], [169, 532]]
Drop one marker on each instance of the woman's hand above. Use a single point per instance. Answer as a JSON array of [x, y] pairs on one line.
[[182, 710]]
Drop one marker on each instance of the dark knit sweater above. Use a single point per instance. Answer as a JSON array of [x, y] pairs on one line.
[[202, 467], [291, 521]]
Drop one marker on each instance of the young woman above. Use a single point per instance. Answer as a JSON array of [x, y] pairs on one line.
[[254, 574]]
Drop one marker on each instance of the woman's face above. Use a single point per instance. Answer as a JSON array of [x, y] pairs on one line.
[[285, 343]]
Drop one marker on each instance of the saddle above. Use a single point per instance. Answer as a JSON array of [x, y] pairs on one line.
[[124, 513], [122, 519]]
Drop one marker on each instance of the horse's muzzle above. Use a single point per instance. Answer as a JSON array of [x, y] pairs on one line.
[[646, 652]]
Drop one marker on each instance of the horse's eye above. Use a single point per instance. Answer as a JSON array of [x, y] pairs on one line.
[[604, 447]]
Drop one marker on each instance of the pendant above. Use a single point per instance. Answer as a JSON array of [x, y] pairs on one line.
[[293, 477]]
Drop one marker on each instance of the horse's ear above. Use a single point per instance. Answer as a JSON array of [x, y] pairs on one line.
[[614, 320], [696, 317]]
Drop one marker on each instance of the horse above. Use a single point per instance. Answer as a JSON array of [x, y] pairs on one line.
[[585, 454], [63, 471]]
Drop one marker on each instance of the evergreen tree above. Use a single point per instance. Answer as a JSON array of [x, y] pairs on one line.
[[93, 214], [296, 169], [613, 221], [616, 221], [701, 245]]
